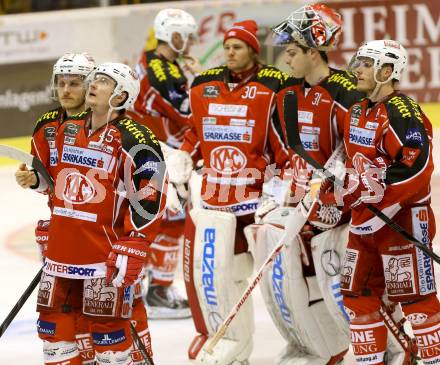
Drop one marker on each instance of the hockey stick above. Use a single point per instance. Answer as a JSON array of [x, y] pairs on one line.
[[24, 297], [28, 159], [19, 155], [293, 226], [294, 141], [140, 345]]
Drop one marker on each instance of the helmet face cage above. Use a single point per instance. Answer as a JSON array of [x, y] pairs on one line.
[[382, 52], [126, 81], [169, 21], [312, 26], [81, 64]]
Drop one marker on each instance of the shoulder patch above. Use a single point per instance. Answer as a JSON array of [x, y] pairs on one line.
[[342, 78], [405, 107], [49, 116], [80, 115], [139, 132], [271, 77], [213, 74]]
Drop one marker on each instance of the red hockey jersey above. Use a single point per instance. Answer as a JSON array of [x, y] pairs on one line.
[[162, 104], [397, 129], [321, 114], [108, 185], [237, 133], [43, 144]]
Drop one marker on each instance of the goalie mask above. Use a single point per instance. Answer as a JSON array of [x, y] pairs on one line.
[[169, 21], [312, 26]]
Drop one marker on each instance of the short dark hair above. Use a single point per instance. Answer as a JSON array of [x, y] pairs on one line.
[[323, 54]]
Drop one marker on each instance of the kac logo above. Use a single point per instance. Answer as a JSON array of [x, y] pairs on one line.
[[227, 160], [78, 189]]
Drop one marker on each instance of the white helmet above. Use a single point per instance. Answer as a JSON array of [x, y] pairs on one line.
[[382, 52], [168, 21], [72, 64], [126, 81]]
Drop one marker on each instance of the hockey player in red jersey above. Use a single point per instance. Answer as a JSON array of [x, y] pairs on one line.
[[294, 294], [236, 132], [163, 106], [388, 140], [109, 180], [68, 85]]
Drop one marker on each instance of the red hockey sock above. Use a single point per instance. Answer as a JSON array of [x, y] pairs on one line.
[[424, 316], [368, 331], [74, 361]]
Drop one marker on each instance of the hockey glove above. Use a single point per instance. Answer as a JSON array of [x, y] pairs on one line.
[[367, 187], [324, 213], [126, 261], [267, 205], [42, 235]]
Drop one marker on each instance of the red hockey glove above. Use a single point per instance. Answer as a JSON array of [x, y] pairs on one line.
[[42, 235], [126, 261], [324, 213], [367, 187]]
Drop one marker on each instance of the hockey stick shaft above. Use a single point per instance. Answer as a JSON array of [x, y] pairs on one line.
[[19, 155], [24, 297], [294, 141], [140, 345], [293, 226]]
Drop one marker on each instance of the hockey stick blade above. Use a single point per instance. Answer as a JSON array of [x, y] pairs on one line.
[[140, 345], [28, 159], [24, 297], [291, 120]]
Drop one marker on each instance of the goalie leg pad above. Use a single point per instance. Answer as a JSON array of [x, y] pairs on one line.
[[328, 250], [294, 301], [220, 279]]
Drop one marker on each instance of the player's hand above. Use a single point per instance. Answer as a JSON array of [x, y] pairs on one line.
[[25, 177], [179, 167], [267, 205], [192, 65], [126, 261], [173, 202]]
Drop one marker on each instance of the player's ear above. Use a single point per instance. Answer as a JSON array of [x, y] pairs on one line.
[[119, 99]]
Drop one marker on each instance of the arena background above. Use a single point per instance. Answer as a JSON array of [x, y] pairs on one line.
[[30, 44]]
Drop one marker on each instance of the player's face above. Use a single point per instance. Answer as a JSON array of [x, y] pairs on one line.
[[363, 69], [298, 61], [100, 90], [70, 91], [238, 55]]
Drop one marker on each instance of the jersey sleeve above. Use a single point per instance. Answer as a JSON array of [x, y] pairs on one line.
[[161, 94], [143, 173], [44, 133], [407, 142], [191, 143]]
